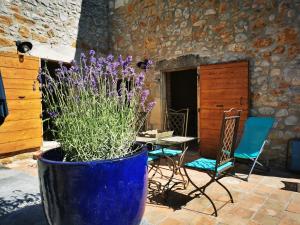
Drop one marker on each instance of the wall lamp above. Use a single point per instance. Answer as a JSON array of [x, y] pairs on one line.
[[143, 64], [23, 46]]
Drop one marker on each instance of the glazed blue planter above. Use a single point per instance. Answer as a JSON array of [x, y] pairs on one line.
[[101, 192]]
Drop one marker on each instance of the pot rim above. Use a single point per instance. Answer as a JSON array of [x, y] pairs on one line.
[[140, 151]]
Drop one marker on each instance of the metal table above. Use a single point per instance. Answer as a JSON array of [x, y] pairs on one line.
[[171, 142]]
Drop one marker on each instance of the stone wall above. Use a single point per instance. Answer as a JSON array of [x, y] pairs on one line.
[[176, 33], [57, 28]]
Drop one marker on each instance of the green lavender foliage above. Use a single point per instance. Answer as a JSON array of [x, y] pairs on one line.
[[97, 107]]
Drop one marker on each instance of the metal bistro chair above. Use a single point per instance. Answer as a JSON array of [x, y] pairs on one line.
[[218, 168], [176, 121], [144, 119]]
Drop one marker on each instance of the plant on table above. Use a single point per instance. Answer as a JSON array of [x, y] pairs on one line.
[[96, 106]]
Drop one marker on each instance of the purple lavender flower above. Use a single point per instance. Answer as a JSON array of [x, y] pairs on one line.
[[58, 71], [131, 70], [100, 61], [148, 64], [110, 57], [92, 52], [74, 69], [64, 69], [150, 106], [39, 77], [130, 95], [126, 62], [120, 59], [53, 114], [114, 65], [139, 82], [83, 60], [82, 56], [144, 95], [93, 76], [129, 59], [93, 60]]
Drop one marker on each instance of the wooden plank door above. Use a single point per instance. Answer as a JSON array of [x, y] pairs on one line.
[[220, 87], [22, 128]]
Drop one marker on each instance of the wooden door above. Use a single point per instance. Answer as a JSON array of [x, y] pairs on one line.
[[220, 87], [22, 128]]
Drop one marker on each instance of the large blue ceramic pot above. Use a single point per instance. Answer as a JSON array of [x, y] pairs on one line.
[[101, 192]]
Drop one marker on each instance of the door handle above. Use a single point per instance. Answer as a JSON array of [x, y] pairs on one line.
[[21, 97], [34, 86], [241, 100], [220, 105]]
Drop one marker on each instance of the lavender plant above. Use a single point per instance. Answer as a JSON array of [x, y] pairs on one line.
[[97, 106]]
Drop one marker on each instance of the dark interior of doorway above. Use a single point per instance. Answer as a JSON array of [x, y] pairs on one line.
[[182, 93], [48, 125]]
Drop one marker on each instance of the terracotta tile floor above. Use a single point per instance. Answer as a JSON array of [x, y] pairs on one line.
[[261, 200]]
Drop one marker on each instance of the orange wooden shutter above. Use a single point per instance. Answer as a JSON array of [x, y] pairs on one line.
[[221, 87], [22, 129]]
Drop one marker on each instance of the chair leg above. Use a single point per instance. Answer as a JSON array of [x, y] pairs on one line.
[[202, 191], [166, 186], [211, 201], [157, 169], [188, 177], [217, 180], [255, 161], [265, 168], [185, 181], [252, 168]]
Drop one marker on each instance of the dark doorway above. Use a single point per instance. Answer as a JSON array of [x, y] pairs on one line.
[[48, 125], [182, 93]]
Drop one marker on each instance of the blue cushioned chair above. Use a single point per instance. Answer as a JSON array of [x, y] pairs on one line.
[[176, 121], [256, 131], [152, 158], [224, 163]]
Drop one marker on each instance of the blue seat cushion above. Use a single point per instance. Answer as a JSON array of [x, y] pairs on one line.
[[207, 164], [152, 158], [165, 152]]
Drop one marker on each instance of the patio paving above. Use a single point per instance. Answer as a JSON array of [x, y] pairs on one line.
[[270, 198]]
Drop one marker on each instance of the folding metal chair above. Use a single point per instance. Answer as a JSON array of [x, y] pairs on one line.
[[224, 163], [254, 138]]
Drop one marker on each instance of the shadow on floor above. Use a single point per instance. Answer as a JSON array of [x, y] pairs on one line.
[[171, 199], [32, 215], [291, 186], [16, 202], [274, 172]]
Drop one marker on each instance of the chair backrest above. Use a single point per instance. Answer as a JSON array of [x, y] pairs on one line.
[[256, 131], [229, 129], [143, 120], [177, 120]]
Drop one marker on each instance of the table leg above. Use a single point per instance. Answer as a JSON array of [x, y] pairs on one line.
[[177, 170], [173, 170]]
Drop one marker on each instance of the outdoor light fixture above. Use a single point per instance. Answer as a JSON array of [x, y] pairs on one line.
[[23, 47], [143, 64]]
